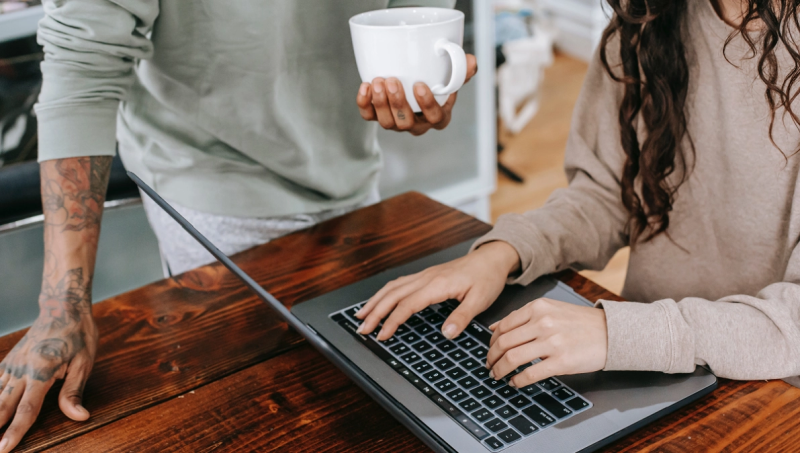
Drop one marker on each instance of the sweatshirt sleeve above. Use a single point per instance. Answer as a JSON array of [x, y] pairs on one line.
[[581, 226], [90, 48], [738, 337]]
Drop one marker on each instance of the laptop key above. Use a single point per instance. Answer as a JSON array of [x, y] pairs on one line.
[[427, 311], [495, 425], [433, 355], [577, 404], [394, 363], [422, 346], [563, 393], [457, 395], [493, 384], [480, 392], [493, 401], [457, 354], [351, 312], [552, 406], [493, 443], [477, 332], [444, 364], [549, 384], [481, 372], [337, 317], [482, 415], [468, 343], [445, 311], [509, 436], [434, 319], [468, 382], [506, 412], [414, 321], [435, 338], [390, 341], [410, 338], [424, 329], [469, 405], [445, 385], [411, 357], [480, 352], [472, 427], [470, 363], [401, 330], [519, 401], [399, 349], [456, 373], [531, 390], [445, 404], [446, 346], [539, 416], [523, 425], [422, 367], [433, 375], [507, 392]]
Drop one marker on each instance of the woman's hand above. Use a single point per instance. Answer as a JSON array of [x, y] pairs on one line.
[[385, 101], [474, 280], [569, 339]]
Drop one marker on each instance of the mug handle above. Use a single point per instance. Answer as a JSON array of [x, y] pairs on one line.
[[459, 62]]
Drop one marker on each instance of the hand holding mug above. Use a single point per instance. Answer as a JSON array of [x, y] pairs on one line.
[[385, 101]]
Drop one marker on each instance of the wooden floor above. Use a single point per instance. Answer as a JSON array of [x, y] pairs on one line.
[[537, 154]]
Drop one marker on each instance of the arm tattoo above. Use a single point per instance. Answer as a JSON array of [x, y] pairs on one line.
[[73, 191]]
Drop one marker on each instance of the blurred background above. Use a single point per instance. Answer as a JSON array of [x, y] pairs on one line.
[[502, 153]]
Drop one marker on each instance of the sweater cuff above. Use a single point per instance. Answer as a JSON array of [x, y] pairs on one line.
[[647, 337], [525, 240], [77, 131]]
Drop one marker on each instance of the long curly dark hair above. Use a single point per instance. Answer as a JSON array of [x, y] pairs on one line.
[[655, 74]]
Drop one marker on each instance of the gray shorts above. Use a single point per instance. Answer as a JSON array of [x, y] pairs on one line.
[[180, 252]]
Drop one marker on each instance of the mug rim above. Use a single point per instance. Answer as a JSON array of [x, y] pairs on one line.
[[459, 15]]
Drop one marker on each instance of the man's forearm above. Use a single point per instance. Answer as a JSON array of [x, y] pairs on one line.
[[73, 192]]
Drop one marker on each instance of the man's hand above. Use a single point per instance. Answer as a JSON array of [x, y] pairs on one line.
[[62, 343], [385, 101], [474, 280], [569, 339]]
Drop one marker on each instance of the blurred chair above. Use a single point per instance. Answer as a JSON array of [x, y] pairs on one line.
[[127, 258]]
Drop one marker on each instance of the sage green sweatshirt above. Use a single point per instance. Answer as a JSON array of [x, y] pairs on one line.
[[242, 108], [725, 291]]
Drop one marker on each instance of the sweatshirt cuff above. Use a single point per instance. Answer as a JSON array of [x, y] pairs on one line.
[[524, 239], [647, 337], [77, 131]]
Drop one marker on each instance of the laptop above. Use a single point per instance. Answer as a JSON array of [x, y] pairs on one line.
[[441, 390]]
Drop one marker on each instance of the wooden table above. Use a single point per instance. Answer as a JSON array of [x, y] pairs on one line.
[[198, 363]]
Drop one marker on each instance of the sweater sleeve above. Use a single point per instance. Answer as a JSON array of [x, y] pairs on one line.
[[90, 48], [581, 226], [738, 336]]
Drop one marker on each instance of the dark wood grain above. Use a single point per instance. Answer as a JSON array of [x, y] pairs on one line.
[[176, 335]]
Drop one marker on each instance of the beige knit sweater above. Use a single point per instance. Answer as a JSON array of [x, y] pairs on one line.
[[726, 293]]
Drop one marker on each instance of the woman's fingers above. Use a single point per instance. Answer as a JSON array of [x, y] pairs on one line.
[[403, 116], [381, 104], [364, 102], [70, 399], [514, 319], [388, 303], [475, 301], [427, 103], [524, 352], [507, 342], [547, 368]]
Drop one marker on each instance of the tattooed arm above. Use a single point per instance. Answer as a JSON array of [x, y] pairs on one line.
[[62, 342]]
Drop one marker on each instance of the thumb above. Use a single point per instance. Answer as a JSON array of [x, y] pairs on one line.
[[70, 399], [460, 318]]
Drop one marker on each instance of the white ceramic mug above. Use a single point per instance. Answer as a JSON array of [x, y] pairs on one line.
[[413, 45]]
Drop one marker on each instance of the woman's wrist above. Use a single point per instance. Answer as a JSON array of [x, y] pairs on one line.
[[502, 254]]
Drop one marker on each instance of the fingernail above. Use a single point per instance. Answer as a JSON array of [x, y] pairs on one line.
[[377, 88], [494, 325], [380, 335], [420, 89], [363, 90], [449, 331], [391, 86], [3, 444], [512, 384], [360, 328], [491, 374]]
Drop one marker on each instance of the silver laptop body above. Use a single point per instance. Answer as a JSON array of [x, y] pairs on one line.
[[568, 414]]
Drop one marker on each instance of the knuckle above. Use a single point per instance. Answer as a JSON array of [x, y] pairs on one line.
[[556, 342], [546, 322], [513, 356], [25, 408]]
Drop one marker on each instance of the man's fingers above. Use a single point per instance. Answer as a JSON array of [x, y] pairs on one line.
[[364, 101], [472, 305], [381, 104], [403, 116], [70, 400], [26, 412], [472, 67], [9, 397], [427, 103]]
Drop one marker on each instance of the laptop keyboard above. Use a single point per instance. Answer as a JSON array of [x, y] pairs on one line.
[[453, 375]]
